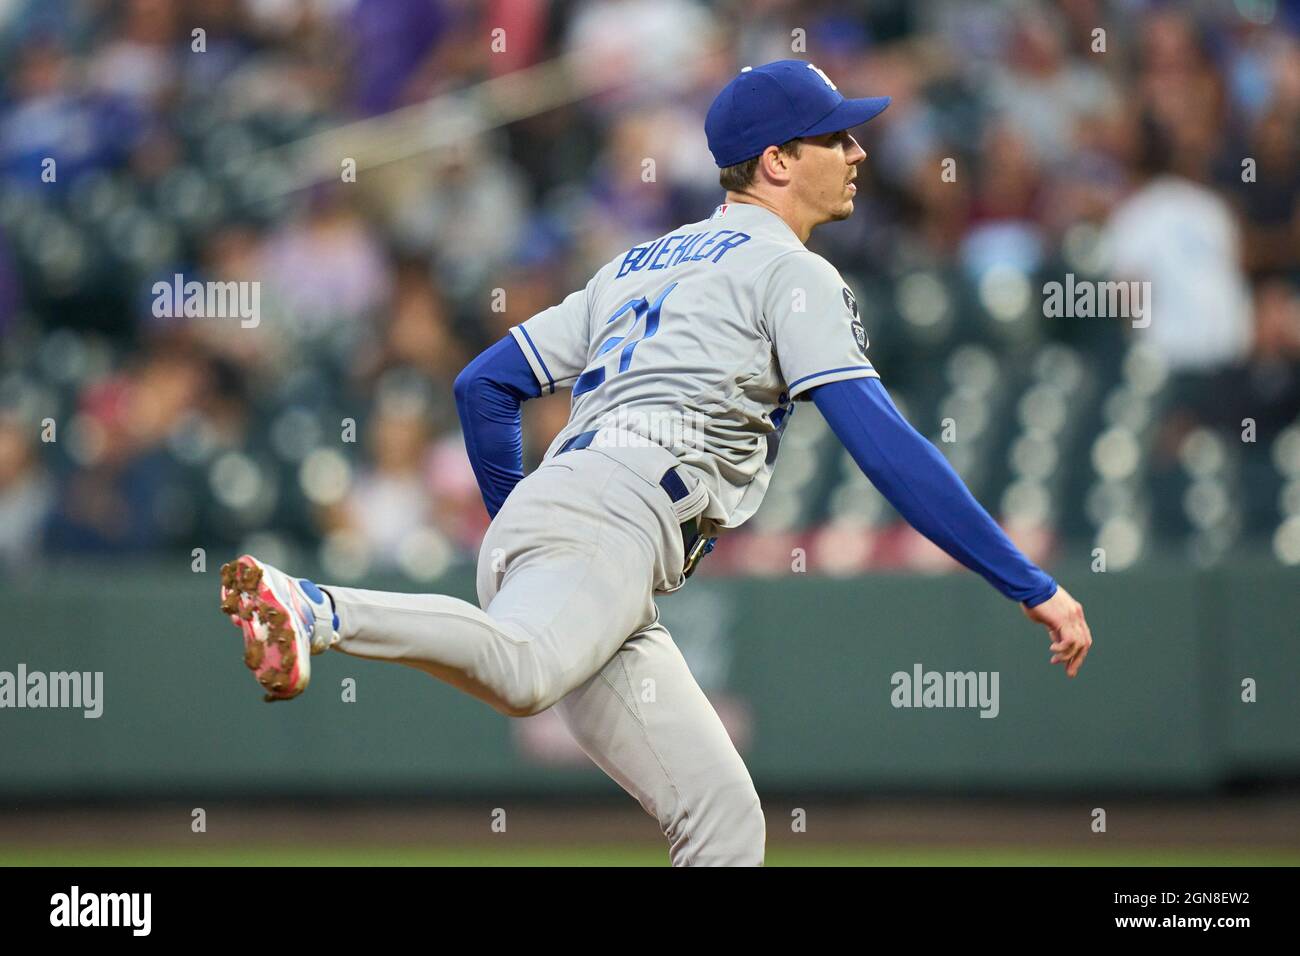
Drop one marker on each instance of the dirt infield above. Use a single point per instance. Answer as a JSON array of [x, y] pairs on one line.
[[1243, 824]]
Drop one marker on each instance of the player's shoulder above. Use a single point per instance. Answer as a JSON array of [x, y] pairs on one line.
[[802, 267], [804, 282]]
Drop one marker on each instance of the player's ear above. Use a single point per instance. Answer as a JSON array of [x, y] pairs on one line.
[[776, 164]]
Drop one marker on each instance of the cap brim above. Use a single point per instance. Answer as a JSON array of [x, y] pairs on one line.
[[848, 114]]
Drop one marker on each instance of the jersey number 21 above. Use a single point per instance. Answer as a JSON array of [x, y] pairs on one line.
[[595, 375]]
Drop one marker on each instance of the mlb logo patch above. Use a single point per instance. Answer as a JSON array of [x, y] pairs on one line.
[[720, 211]]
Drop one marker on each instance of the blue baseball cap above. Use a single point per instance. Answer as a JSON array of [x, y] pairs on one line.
[[770, 104]]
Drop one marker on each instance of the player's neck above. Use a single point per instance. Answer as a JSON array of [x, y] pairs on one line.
[[801, 229]]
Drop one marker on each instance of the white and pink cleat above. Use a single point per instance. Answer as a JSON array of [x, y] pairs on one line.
[[284, 620]]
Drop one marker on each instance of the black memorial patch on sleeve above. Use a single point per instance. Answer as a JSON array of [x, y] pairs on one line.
[[859, 333], [859, 336]]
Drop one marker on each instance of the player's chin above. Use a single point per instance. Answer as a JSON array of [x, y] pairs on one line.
[[843, 211]]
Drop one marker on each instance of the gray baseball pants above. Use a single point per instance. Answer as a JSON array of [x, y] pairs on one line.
[[566, 581]]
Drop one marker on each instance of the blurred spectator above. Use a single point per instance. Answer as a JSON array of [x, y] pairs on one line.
[[234, 254], [1003, 226], [390, 39], [418, 332], [1040, 93], [535, 281], [637, 52], [1182, 238], [454, 494], [116, 500], [138, 64], [325, 269], [469, 214], [388, 506], [630, 197], [1269, 199], [46, 118], [26, 495], [1270, 391]]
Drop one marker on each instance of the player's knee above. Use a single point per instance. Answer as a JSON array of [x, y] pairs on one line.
[[519, 679], [521, 705], [524, 698]]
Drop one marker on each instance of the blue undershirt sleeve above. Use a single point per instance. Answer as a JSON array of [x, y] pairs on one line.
[[490, 392], [918, 481]]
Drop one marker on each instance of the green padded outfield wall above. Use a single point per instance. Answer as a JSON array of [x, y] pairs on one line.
[[799, 666]]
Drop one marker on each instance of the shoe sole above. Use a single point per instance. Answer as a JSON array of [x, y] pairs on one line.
[[277, 656]]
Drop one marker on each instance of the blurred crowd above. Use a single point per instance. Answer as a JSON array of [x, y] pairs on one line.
[[1147, 141]]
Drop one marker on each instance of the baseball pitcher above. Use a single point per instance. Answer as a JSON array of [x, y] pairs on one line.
[[685, 357]]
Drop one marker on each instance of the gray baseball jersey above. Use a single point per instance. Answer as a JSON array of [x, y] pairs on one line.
[[700, 341]]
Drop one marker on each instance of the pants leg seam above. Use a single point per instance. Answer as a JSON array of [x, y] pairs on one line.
[[422, 612], [629, 706], [645, 735]]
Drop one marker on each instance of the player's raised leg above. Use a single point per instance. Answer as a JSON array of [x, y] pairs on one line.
[[645, 721], [565, 574]]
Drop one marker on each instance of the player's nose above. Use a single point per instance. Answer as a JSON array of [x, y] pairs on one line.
[[855, 154]]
